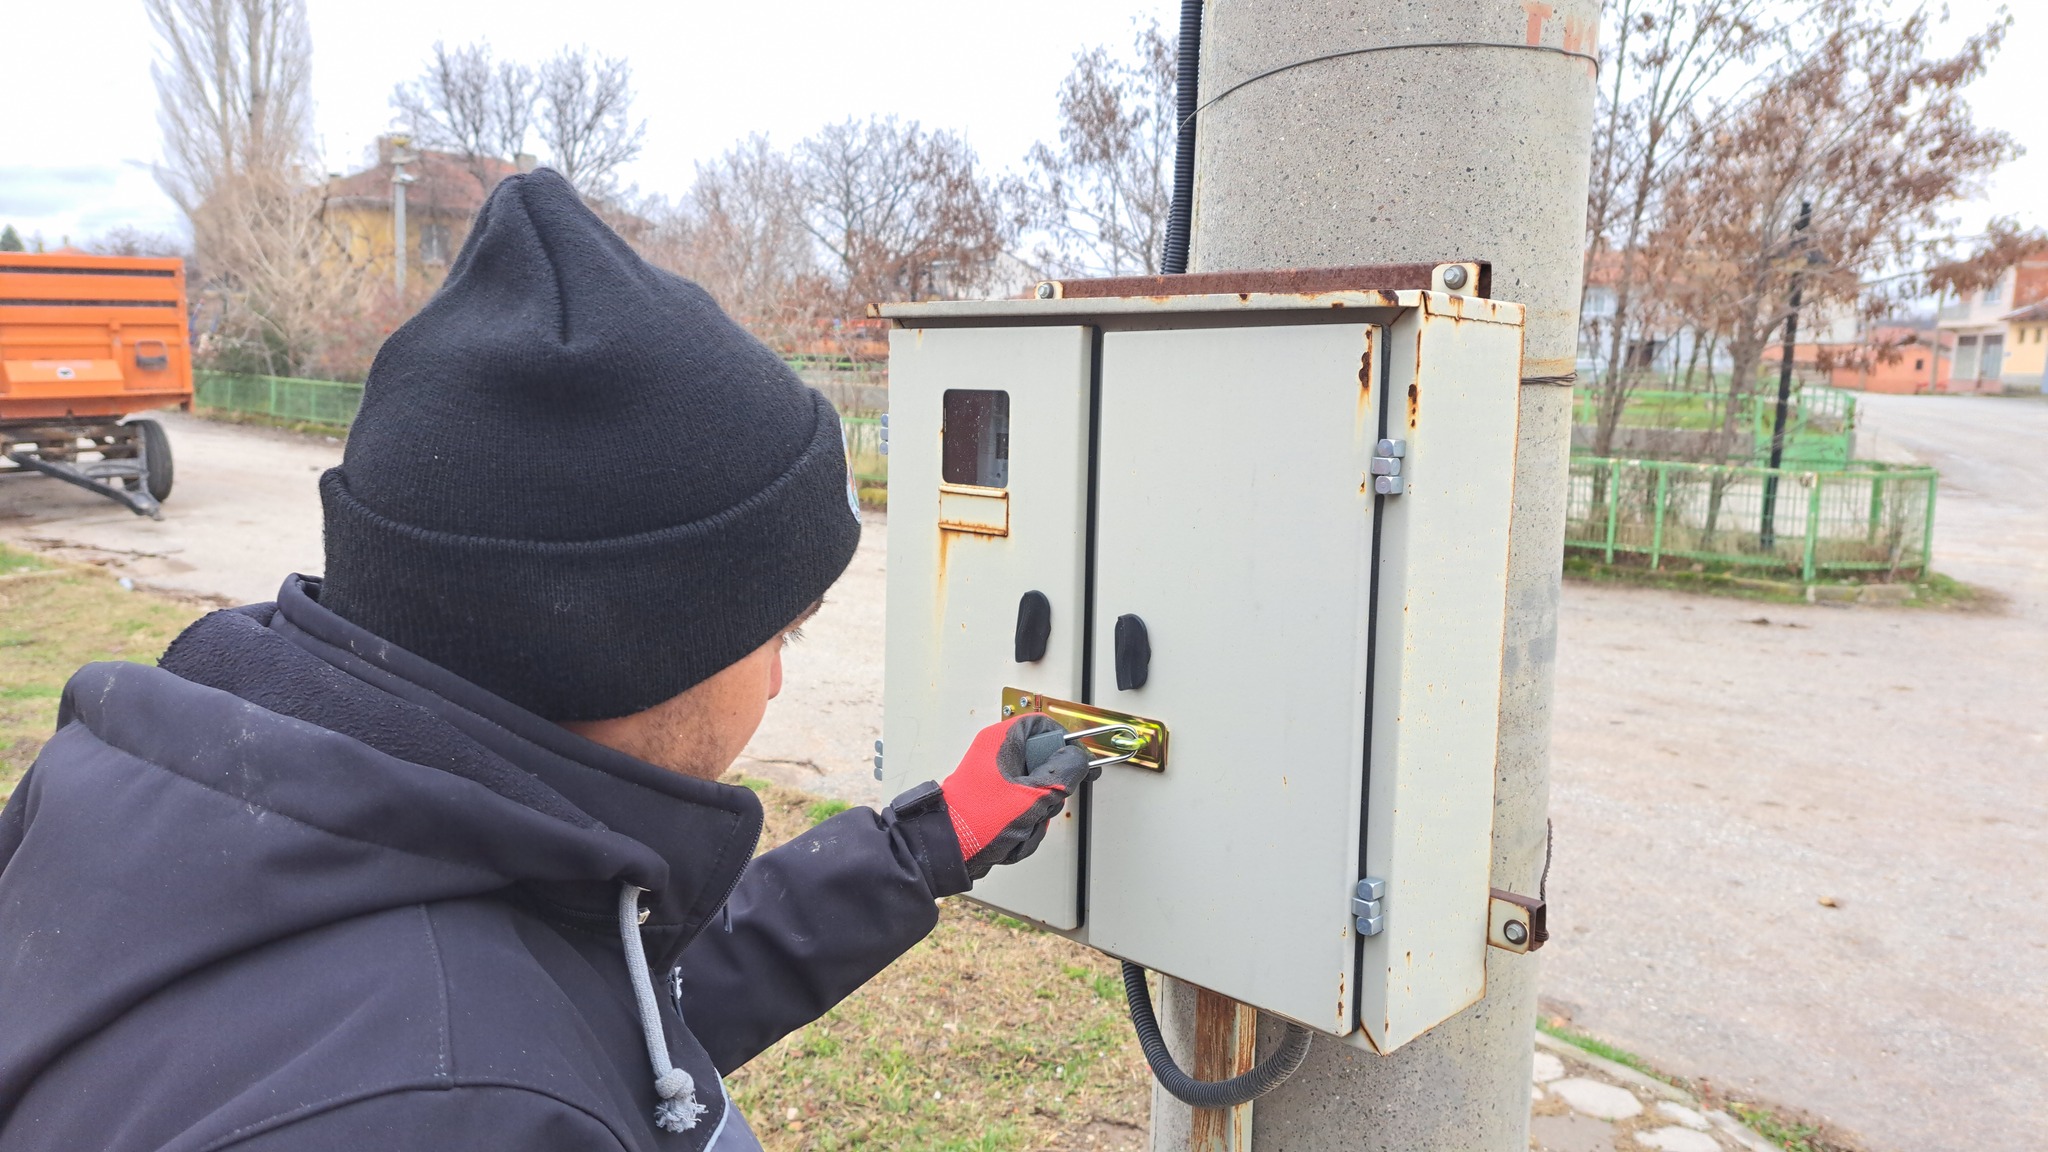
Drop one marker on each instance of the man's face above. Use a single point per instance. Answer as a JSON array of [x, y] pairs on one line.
[[701, 732]]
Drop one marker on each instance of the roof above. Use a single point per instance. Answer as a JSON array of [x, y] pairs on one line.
[[442, 181], [2031, 314]]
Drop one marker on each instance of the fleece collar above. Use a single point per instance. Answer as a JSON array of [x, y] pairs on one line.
[[706, 832]]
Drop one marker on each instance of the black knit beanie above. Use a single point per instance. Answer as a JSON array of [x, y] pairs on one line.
[[574, 481]]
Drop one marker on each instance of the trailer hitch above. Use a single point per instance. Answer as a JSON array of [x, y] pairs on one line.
[[139, 501]]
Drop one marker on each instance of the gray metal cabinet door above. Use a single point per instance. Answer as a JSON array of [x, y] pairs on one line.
[[962, 555], [1234, 517]]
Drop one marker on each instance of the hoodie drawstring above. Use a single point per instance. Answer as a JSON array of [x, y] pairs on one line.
[[678, 1110]]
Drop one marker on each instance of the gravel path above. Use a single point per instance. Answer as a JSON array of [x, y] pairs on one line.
[[1793, 842]]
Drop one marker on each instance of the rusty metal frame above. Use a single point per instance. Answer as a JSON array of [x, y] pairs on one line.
[[1416, 276]]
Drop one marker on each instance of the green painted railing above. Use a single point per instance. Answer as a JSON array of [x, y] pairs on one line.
[[1862, 518], [867, 453], [331, 403], [1820, 422]]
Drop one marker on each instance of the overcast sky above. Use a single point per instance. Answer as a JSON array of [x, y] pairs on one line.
[[78, 129]]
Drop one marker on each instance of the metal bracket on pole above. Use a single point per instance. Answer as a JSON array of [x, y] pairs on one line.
[[1516, 923]]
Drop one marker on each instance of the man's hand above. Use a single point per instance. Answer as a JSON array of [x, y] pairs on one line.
[[1013, 780]]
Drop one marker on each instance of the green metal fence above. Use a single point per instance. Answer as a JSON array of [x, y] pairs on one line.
[[1820, 422], [867, 454], [328, 402], [333, 403], [1863, 518]]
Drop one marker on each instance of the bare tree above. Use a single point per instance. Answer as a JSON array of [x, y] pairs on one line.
[[1100, 200], [2002, 246], [469, 104], [900, 211], [748, 244], [232, 88], [128, 241], [1870, 130], [1668, 55], [233, 94], [585, 118]]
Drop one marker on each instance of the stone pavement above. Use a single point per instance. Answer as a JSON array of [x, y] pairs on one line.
[[1583, 1103]]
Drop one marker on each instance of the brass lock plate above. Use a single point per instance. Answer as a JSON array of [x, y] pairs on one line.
[[1146, 749]]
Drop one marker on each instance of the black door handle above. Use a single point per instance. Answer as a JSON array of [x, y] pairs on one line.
[[1034, 627], [1133, 653]]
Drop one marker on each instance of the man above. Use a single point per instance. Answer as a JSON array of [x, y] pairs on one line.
[[431, 854]]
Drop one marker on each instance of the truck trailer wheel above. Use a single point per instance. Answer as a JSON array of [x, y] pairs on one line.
[[156, 456]]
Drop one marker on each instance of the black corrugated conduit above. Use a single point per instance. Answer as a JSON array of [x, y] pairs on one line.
[[1187, 90], [1262, 1079]]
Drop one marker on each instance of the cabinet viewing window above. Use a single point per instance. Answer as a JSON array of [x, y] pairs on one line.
[[977, 438]]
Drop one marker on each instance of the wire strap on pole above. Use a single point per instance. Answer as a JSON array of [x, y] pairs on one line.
[[1211, 101]]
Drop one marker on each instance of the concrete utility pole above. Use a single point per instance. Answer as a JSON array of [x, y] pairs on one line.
[[1475, 149], [401, 155]]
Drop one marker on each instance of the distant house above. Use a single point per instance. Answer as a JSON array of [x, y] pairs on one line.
[[444, 194], [2026, 353], [1987, 355], [1906, 354]]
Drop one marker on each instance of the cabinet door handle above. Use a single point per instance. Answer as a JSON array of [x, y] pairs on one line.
[[1034, 627], [1133, 653]]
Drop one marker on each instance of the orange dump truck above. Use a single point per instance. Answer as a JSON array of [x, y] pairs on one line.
[[86, 342]]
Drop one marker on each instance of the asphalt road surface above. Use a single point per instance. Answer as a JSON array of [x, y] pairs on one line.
[[1795, 845]]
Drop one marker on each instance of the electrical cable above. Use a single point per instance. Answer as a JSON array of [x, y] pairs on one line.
[[1262, 1079]]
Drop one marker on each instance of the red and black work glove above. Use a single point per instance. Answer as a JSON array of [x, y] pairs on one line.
[[1012, 782]]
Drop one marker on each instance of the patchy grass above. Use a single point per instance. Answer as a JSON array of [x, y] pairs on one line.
[[54, 618], [12, 561], [989, 1035], [824, 810], [265, 420], [1791, 1136], [1598, 1047], [1682, 576], [1936, 592], [1783, 1127]]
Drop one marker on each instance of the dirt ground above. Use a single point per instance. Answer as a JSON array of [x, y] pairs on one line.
[[1793, 842], [244, 513]]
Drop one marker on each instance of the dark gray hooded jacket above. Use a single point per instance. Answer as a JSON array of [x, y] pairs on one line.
[[297, 889]]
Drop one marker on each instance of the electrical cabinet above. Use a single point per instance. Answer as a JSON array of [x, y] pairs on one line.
[[1269, 528]]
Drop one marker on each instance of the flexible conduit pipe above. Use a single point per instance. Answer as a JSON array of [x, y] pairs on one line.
[[1188, 84], [1207, 1093]]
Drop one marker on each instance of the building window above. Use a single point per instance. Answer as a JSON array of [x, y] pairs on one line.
[[434, 244]]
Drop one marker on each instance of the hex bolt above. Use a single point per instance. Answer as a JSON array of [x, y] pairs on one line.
[[1454, 277], [1515, 932], [1045, 289]]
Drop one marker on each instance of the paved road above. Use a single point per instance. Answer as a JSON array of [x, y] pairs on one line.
[[1721, 768], [1716, 778]]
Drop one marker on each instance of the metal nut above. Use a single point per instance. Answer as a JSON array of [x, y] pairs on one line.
[[1454, 277], [1514, 932]]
